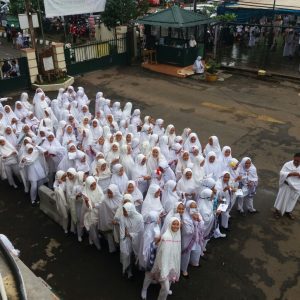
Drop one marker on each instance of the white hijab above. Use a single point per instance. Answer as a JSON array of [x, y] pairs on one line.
[[120, 181], [169, 196], [167, 261], [151, 203]]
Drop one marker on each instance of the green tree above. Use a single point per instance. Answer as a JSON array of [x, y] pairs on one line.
[[121, 12], [18, 6]]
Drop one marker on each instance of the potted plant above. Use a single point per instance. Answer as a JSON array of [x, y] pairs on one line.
[[212, 70]]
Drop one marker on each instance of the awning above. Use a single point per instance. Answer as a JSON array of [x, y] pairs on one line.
[[246, 9], [175, 17]]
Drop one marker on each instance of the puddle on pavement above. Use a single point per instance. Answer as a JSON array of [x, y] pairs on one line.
[[52, 245], [39, 265]]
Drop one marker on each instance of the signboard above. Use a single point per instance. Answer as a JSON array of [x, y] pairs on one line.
[[23, 19], [55, 8], [48, 63]]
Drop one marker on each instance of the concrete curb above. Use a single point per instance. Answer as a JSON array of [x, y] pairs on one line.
[[255, 72]]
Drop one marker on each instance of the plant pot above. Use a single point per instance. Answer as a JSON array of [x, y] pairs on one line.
[[211, 77]]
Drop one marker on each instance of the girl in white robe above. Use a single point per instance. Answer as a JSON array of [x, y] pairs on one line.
[[126, 115], [136, 118], [140, 174], [69, 159], [225, 158], [113, 156], [158, 127], [176, 211], [119, 178], [68, 136], [135, 146], [131, 231], [186, 186], [116, 111], [71, 182], [107, 210], [249, 182], [96, 130], [60, 199], [191, 237], [24, 99], [8, 114], [79, 203], [175, 154], [10, 136], [40, 104], [198, 170], [154, 159], [170, 134], [53, 152], [169, 196], [136, 194], [147, 253], [185, 134], [226, 192], [166, 268], [126, 160], [102, 174], [184, 162], [164, 147], [56, 109], [99, 101], [34, 163], [101, 118], [152, 201], [191, 142], [212, 166], [9, 161], [20, 111], [92, 196], [213, 145]]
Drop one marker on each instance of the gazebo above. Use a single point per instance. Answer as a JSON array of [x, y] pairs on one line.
[[168, 32]]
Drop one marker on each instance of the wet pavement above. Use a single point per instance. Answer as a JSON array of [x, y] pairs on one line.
[[260, 57], [260, 258]]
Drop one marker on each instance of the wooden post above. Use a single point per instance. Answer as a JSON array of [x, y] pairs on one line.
[[30, 23]]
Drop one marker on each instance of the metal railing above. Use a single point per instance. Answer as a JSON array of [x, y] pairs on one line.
[[98, 49]]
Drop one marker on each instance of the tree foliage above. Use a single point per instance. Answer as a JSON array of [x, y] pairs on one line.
[[18, 6], [121, 12]]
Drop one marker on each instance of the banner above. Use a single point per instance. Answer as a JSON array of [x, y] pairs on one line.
[[56, 8]]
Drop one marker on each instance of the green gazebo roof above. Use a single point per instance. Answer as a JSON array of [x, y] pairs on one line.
[[175, 17]]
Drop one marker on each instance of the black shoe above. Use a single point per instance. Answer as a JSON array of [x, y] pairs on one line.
[[186, 276], [253, 212]]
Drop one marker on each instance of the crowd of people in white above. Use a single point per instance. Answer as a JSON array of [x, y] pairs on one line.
[[158, 196]]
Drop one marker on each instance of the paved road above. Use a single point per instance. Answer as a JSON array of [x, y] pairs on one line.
[[260, 257]]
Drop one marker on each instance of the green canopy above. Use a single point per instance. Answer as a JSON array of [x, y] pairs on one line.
[[175, 17]]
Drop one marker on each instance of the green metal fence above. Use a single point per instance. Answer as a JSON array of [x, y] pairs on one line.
[[10, 82], [95, 56]]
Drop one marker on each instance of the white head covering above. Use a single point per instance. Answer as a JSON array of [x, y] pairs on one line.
[[169, 197], [151, 203], [151, 231], [212, 169], [120, 181], [215, 147], [167, 262]]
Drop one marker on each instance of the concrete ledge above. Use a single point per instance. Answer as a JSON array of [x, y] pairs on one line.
[[36, 288], [48, 203], [54, 87]]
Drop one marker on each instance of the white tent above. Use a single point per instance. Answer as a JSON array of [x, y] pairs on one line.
[[269, 4]]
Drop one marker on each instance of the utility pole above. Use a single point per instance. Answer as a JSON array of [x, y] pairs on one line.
[[30, 22], [195, 5], [41, 22]]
